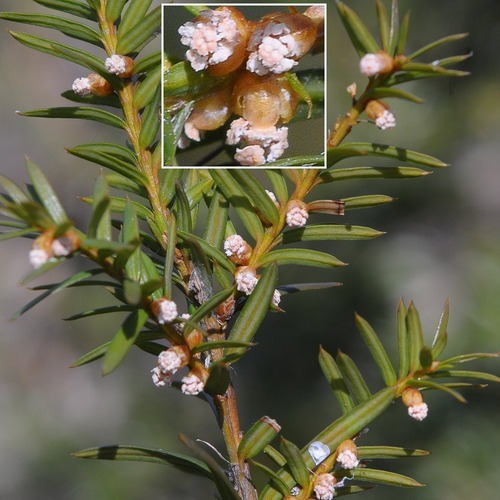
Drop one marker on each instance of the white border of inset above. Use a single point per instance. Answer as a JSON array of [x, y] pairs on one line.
[[278, 5]]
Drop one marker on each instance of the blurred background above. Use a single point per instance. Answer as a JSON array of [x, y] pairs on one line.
[[442, 241]]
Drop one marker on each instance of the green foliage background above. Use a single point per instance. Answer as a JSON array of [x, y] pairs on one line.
[[443, 240]]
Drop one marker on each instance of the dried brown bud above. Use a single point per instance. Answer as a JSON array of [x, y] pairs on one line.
[[225, 310], [351, 90], [194, 338], [332, 207]]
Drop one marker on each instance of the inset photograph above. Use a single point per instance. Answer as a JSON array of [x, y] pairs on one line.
[[243, 86]]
